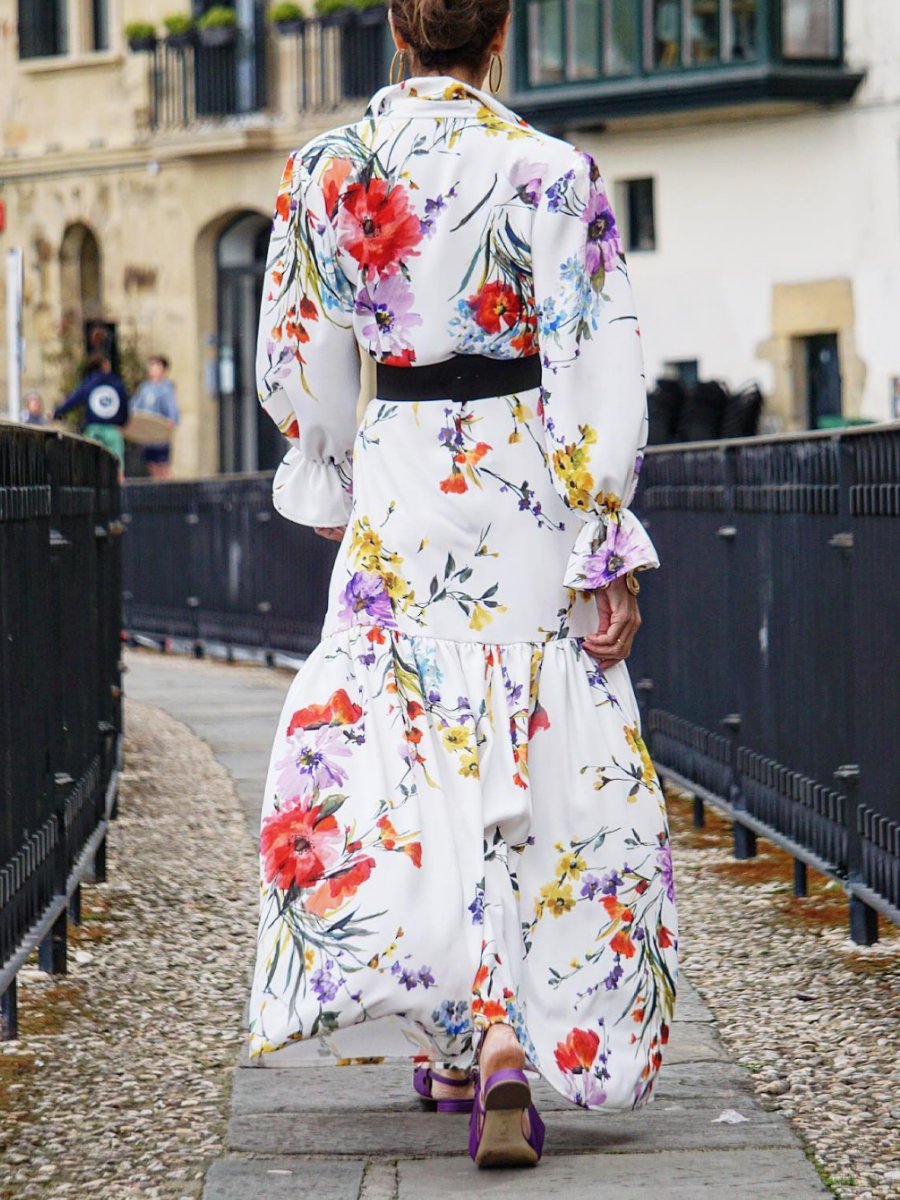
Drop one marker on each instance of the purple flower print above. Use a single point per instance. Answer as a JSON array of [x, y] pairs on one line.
[[311, 765], [527, 179], [324, 984], [476, 908], [611, 882], [614, 978], [603, 244], [590, 886], [364, 601], [611, 560], [388, 303], [664, 862], [433, 209], [426, 978]]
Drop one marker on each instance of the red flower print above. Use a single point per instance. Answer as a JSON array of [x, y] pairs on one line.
[[663, 937], [454, 483], [340, 887], [297, 847], [405, 358], [538, 720], [308, 310], [376, 225], [340, 710], [414, 850], [491, 1010], [621, 943], [578, 1051], [664, 1033], [494, 306], [283, 205], [332, 182], [293, 430]]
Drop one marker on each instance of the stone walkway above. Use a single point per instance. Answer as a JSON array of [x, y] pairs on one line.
[[358, 1133]]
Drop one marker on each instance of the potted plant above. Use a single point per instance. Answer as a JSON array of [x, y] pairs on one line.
[[287, 18], [179, 30], [140, 35], [336, 12], [218, 26]]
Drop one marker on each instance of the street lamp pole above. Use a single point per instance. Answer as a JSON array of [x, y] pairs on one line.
[[14, 279]]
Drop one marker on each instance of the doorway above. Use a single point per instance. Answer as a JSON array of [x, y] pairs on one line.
[[248, 439], [824, 401]]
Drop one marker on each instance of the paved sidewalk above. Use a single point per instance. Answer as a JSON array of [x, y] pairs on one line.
[[358, 1133]]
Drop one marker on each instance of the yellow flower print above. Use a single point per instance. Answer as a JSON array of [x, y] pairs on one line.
[[493, 123], [609, 502], [366, 545], [571, 864], [395, 587], [482, 616], [456, 737], [309, 958], [468, 766], [556, 897], [638, 746]]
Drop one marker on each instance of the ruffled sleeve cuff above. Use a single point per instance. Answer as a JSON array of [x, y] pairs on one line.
[[312, 493], [607, 547]]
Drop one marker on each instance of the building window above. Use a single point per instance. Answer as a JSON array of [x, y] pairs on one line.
[[742, 18], [665, 34], [53, 28], [809, 29], [43, 28], [622, 40], [99, 24], [636, 215], [704, 32]]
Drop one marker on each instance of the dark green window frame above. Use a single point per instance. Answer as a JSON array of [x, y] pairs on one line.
[[652, 38]]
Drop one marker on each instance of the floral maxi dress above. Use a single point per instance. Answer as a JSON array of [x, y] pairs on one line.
[[461, 823]]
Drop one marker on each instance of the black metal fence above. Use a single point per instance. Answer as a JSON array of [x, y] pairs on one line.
[[212, 561], [60, 688], [767, 664]]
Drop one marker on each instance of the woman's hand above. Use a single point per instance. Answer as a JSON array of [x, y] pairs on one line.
[[619, 621], [334, 533]]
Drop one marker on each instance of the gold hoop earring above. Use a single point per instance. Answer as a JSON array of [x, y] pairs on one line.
[[495, 87], [399, 67]]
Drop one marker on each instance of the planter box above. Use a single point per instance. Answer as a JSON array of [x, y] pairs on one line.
[[294, 26], [142, 45], [178, 41], [218, 36], [376, 15], [341, 19]]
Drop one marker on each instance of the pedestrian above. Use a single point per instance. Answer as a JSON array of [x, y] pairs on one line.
[[33, 412], [156, 395], [104, 398], [464, 845]]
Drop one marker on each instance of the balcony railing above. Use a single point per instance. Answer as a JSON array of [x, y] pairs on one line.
[[329, 60], [580, 61]]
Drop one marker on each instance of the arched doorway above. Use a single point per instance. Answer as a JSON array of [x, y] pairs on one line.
[[81, 275], [248, 439]]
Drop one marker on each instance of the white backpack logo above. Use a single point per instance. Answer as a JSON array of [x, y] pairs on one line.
[[104, 402]]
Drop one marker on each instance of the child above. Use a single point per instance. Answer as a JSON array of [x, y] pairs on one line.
[[105, 401], [157, 395]]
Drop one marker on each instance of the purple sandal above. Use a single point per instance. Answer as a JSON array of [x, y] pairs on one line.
[[423, 1077], [496, 1137]]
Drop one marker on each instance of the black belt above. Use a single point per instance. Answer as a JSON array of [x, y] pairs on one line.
[[462, 377]]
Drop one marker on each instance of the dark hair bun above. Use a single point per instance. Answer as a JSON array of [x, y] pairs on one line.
[[446, 33]]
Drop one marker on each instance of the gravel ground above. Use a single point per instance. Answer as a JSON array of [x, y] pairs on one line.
[[119, 1082], [813, 1017], [118, 1086]]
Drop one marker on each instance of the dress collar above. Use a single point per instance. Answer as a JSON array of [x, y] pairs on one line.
[[438, 96]]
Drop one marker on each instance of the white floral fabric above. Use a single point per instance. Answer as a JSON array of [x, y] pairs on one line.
[[461, 822]]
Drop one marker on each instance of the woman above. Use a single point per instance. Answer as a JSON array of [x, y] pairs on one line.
[[464, 845]]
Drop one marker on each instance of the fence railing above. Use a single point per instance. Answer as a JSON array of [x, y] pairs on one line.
[[211, 561], [60, 689], [767, 665], [329, 60]]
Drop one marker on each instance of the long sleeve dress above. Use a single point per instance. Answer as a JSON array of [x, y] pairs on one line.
[[461, 822]]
